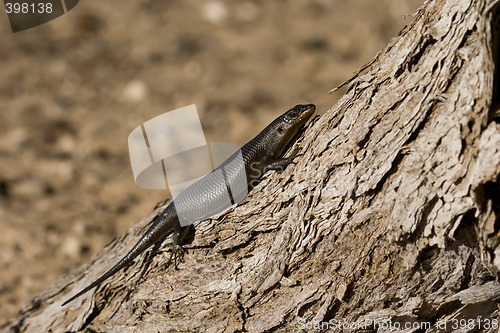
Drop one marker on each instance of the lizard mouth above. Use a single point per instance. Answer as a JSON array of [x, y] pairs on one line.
[[303, 112]]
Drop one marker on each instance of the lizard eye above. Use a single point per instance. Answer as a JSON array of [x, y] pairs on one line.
[[280, 130]]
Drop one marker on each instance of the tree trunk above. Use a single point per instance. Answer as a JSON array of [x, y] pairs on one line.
[[390, 219]]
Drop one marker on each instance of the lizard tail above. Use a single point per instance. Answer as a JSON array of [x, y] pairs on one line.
[[152, 235]]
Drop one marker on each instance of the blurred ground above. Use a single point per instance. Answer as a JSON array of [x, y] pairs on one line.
[[73, 89]]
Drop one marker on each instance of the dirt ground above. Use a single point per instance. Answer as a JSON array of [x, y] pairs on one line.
[[72, 90]]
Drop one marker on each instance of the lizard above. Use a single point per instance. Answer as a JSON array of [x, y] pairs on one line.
[[203, 198]]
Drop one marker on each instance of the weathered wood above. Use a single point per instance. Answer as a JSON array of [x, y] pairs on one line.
[[390, 216]]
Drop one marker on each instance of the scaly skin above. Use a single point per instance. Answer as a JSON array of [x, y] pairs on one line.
[[207, 196]]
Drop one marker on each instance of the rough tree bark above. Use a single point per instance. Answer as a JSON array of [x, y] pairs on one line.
[[391, 215]]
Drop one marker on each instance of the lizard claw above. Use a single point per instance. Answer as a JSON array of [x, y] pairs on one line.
[[176, 256]]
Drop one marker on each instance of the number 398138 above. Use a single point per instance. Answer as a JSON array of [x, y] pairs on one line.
[[28, 8]]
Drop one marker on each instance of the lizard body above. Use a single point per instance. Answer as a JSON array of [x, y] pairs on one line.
[[203, 198]]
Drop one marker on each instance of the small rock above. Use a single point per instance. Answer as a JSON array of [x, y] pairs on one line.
[[28, 188], [135, 91], [71, 247], [214, 12]]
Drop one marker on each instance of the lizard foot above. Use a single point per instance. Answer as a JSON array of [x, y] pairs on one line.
[[176, 256]]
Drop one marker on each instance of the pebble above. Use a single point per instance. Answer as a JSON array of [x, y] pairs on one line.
[[135, 91], [214, 11]]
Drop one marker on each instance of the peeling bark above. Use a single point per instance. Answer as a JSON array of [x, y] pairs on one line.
[[390, 216]]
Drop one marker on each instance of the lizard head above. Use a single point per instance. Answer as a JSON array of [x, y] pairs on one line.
[[285, 128]]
